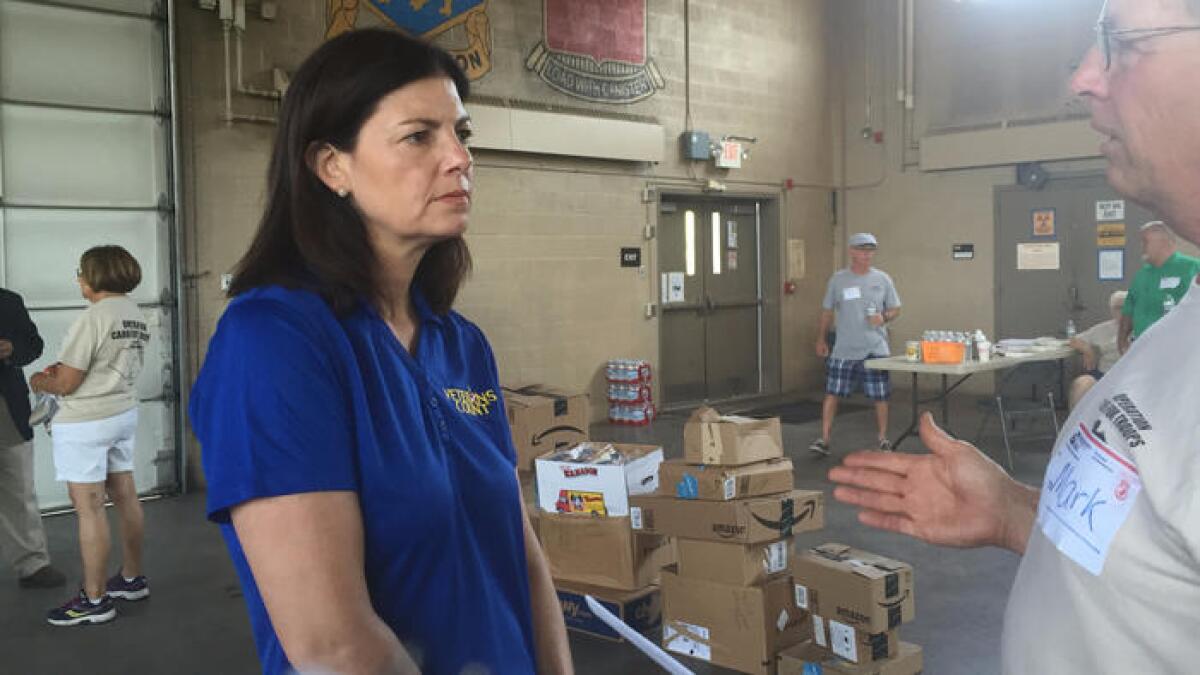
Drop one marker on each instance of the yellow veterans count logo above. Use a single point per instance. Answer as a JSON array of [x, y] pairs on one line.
[[427, 19], [471, 403]]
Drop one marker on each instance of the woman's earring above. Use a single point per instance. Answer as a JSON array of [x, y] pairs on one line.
[[342, 192]]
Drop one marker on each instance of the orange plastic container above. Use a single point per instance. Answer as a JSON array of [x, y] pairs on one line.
[[943, 352]]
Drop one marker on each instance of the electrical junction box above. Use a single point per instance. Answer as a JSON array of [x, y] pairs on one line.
[[696, 145]]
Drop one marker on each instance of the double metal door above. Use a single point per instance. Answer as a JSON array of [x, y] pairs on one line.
[[709, 254]]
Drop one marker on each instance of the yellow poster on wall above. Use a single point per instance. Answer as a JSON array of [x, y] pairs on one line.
[[1110, 235]]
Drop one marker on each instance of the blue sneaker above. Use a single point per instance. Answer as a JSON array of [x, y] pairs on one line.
[[79, 610], [136, 589]]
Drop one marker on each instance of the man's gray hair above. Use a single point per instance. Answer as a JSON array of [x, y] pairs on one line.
[[1158, 225]]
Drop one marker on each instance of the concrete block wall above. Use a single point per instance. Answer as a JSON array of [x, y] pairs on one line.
[[546, 232]]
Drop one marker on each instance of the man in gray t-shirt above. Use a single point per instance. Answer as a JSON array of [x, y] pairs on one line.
[[863, 300]]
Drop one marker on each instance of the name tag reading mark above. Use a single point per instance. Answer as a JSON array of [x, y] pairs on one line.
[[1168, 283], [1088, 494], [852, 293]]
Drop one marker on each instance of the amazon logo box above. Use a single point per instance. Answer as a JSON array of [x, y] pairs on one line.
[[744, 521], [679, 479], [862, 590], [809, 658], [737, 627], [730, 440], [543, 419]]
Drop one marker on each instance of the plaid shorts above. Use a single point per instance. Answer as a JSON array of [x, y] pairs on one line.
[[843, 376]]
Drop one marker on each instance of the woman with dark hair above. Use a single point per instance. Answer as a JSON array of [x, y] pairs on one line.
[[95, 428], [375, 526]]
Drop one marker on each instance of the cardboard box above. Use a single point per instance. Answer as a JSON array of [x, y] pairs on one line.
[[602, 551], [568, 482], [739, 627], [865, 591], [544, 419], [641, 609], [738, 564], [854, 645], [809, 659], [732, 440], [677, 478], [746, 521]]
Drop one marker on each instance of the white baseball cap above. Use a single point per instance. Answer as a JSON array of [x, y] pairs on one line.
[[863, 240]]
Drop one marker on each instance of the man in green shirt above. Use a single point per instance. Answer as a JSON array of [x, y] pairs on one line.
[[1158, 286]]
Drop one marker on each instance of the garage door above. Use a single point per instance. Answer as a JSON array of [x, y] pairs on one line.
[[86, 159]]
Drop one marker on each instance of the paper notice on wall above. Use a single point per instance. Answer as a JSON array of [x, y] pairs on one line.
[[795, 259], [1038, 256], [672, 287], [1112, 209], [731, 261], [1112, 265], [731, 234]]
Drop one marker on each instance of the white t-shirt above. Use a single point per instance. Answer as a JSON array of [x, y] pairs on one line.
[[1127, 463], [107, 342], [1103, 338]]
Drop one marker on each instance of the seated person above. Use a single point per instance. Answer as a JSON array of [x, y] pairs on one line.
[[1098, 345]]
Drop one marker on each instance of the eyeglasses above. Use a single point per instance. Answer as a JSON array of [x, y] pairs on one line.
[[1107, 36]]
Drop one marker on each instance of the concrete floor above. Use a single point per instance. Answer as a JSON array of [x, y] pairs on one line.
[[195, 621]]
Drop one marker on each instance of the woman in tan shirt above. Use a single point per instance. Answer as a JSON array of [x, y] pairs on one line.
[[94, 430]]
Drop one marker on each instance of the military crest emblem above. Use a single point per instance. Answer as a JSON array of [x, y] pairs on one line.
[[459, 21], [596, 50]]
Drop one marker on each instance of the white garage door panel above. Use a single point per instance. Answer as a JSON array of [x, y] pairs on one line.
[[68, 157], [56, 55], [42, 249]]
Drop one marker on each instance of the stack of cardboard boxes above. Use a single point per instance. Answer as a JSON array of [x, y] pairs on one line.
[[857, 600], [584, 526], [732, 507]]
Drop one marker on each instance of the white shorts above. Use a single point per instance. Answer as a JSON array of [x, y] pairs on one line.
[[86, 452]]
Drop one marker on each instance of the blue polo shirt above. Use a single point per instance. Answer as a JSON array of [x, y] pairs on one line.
[[292, 399]]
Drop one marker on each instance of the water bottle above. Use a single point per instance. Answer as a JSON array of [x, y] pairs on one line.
[[1168, 303], [1071, 328]]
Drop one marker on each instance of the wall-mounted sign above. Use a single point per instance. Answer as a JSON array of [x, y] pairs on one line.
[[962, 251], [631, 257], [596, 50], [731, 234], [1110, 235], [1037, 256], [731, 261], [1112, 209], [1111, 265], [1043, 223], [427, 19], [672, 287]]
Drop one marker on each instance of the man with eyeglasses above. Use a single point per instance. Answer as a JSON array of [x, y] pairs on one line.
[[1109, 581]]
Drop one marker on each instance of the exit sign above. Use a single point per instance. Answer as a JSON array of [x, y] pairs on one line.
[[631, 257]]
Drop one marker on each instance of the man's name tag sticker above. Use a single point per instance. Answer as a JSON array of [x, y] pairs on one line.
[[1088, 493], [1168, 283], [851, 293]]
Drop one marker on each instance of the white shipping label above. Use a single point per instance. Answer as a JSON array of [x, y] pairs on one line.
[[635, 517], [801, 596], [1168, 283], [729, 488], [819, 631], [782, 621], [775, 557], [841, 641], [852, 293], [680, 643], [1087, 495]]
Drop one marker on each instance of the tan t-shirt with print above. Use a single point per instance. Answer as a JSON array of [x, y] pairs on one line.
[[108, 342]]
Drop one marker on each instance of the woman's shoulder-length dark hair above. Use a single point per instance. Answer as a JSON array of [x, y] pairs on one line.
[[311, 238]]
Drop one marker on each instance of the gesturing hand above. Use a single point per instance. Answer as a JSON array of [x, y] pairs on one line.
[[952, 496]]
